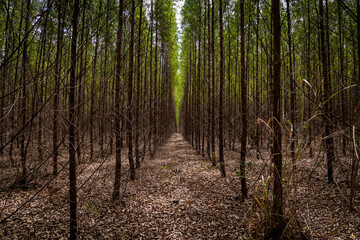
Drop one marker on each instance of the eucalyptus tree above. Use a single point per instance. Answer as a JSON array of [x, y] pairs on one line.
[[72, 91], [244, 106], [129, 87], [58, 60], [118, 118], [276, 118], [329, 142], [24, 77]]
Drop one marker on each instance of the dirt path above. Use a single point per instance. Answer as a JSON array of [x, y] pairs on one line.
[[178, 196]]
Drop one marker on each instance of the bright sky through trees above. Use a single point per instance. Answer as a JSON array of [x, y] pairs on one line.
[[178, 5]]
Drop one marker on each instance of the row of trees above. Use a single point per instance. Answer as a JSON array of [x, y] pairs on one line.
[[115, 83], [255, 71]]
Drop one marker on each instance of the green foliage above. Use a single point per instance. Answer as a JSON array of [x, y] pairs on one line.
[[238, 173], [90, 206], [166, 166]]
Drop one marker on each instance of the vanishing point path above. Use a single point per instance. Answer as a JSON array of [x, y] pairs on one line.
[[179, 195]]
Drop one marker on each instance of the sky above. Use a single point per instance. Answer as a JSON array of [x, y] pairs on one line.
[[178, 6]]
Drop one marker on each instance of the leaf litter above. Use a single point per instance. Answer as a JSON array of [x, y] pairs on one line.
[[176, 195]]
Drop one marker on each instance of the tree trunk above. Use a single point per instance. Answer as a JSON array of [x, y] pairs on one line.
[[154, 123], [329, 141], [221, 137], [57, 84], [276, 119], [118, 139], [257, 93], [24, 73], [244, 111], [213, 155], [208, 83], [72, 158], [292, 86], [342, 78], [138, 79], [129, 118], [92, 88]]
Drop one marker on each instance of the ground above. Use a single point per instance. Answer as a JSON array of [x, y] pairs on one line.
[[177, 195]]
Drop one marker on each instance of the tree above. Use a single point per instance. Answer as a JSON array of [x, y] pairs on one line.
[[329, 141], [24, 76], [116, 193], [221, 137], [138, 79], [213, 82], [292, 85], [129, 116], [243, 104], [59, 43], [276, 152], [72, 90]]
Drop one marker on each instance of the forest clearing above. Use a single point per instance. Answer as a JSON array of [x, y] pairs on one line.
[[179, 119]]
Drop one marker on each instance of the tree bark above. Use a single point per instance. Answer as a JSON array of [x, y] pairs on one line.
[[276, 119], [221, 137], [57, 84], [243, 104], [213, 155], [138, 79], [292, 86], [129, 121], [72, 157], [24, 73], [118, 118], [329, 141]]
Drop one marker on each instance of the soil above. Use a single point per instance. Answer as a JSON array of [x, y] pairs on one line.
[[179, 195]]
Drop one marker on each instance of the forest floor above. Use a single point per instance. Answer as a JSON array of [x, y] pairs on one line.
[[178, 195]]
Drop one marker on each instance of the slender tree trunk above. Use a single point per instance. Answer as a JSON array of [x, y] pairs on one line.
[[329, 141], [155, 85], [257, 93], [292, 103], [292, 86], [308, 71], [72, 91], [221, 137], [276, 121], [146, 140], [129, 121], [103, 126], [80, 84], [208, 83], [228, 100], [342, 82], [203, 124], [138, 79], [116, 193], [244, 111], [57, 84], [41, 97], [92, 88], [24, 73], [198, 87], [213, 155], [151, 145]]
